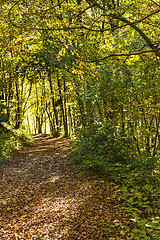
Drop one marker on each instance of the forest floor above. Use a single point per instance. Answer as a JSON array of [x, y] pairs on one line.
[[42, 196]]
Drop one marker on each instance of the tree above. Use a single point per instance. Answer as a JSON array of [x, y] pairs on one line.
[[96, 58], [106, 18]]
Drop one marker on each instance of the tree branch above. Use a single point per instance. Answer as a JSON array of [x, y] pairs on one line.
[[155, 3], [142, 34], [123, 55]]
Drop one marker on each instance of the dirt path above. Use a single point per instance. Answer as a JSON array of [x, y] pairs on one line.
[[43, 197]]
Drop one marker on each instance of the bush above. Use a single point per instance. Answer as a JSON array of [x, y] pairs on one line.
[[99, 148], [104, 148], [10, 139]]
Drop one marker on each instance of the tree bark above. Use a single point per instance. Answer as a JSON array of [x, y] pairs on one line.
[[53, 104]]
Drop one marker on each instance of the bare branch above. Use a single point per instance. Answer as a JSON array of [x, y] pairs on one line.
[[97, 4], [124, 25], [83, 11], [155, 3], [123, 55], [142, 34]]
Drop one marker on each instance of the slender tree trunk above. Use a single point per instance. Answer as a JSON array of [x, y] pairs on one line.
[[39, 115], [81, 106], [135, 139], [53, 104], [65, 102], [156, 135], [18, 108], [62, 107]]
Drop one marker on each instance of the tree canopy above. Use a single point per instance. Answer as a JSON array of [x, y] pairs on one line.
[[66, 64], [104, 21]]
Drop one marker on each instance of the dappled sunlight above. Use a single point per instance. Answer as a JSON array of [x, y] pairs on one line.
[[48, 218], [41, 194], [43, 197], [45, 144], [53, 179]]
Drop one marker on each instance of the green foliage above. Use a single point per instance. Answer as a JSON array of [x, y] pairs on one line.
[[3, 116], [7, 146], [100, 148], [106, 149], [139, 198], [10, 140]]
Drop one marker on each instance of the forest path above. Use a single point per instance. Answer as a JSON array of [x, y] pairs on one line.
[[43, 197]]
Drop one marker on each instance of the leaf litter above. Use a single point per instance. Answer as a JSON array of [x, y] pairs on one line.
[[42, 196]]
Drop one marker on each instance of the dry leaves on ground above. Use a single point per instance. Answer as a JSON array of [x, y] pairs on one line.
[[44, 197]]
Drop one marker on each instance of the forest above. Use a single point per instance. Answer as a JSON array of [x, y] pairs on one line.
[[88, 71]]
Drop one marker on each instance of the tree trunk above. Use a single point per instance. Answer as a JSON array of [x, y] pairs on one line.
[[62, 107], [53, 104]]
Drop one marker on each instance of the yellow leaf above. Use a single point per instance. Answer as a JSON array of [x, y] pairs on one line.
[[14, 213], [122, 233]]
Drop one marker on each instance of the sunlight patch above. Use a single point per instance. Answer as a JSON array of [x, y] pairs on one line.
[[53, 179]]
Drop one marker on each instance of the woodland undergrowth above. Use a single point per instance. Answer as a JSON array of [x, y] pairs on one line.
[[105, 151], [11, 139], [116, 200]]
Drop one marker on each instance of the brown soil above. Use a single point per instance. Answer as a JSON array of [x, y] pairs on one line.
[[43, 197]]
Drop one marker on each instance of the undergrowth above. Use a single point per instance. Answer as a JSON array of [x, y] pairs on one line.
[[10, 140], [108, 152]]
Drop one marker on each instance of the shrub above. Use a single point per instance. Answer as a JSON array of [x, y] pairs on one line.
[[104, 148], [10, 139], [99, 148]]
